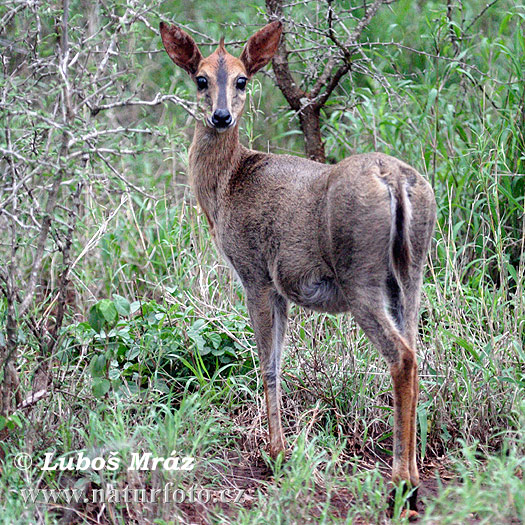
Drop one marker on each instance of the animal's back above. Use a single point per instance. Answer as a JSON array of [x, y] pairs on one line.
[[346, 209]]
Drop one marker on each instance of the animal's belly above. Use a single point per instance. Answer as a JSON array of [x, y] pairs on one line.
[[323, 295], [316, 290]]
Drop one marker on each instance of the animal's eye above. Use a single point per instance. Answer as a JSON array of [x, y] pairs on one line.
[[202, 83], [241, 83]]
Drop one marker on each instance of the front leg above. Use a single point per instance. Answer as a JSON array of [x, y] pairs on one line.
[[269, 314]]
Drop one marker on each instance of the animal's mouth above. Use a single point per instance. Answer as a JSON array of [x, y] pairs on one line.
[[220, 128]]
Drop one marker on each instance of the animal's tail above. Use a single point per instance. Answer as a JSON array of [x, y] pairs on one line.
[[400, 230]]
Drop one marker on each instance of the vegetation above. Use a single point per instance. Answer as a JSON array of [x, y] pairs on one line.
[[123, 332]]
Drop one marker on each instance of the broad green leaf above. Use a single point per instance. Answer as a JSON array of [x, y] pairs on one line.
[[134, 306], [121, 304], [95, 318], [101, 387], [199, 341], [205, 350], [197, 325], [215, 339], [108, 310], [98, 365]]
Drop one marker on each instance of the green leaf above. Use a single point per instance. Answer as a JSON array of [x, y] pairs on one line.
[[108, 310], [505, 23], [95, 318], [101, 387], [114, 373], [215, 339], [512, 272], [132, 353], [199, 341], [197, 325], [205, 350], [15, 418], [134, 306], [431, 99], [121, 304], [161, 386], [423, 429], [98, 365], [230, 351]]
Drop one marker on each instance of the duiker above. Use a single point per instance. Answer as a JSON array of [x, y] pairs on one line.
[[352, 236]]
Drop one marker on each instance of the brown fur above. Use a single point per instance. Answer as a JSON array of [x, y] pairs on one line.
[[349, 237]]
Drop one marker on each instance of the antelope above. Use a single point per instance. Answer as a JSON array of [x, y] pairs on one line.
[[352, 236]]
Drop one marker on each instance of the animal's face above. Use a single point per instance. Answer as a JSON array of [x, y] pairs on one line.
[[221, 81], [221, 78]]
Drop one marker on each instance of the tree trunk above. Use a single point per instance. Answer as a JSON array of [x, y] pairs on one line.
[[310, 120], [310, 114]]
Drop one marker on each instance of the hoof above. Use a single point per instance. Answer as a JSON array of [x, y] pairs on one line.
[[412, 500], [410, 495], [412, 515]]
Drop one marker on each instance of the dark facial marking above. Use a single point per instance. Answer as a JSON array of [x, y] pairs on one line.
[[222, 79]]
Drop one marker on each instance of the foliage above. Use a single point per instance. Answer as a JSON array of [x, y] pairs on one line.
[[158, 342]]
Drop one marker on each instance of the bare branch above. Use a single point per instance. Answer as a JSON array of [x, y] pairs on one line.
[[328, 76], [102, 132], [159, 99], [121, 177], [39, 252]]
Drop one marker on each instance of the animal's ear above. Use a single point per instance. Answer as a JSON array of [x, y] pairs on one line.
[[181, 48], [261, 47]]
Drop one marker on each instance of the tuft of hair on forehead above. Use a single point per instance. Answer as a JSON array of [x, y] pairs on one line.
[[221, 60]]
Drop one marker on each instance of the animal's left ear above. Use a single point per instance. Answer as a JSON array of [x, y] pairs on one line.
[[261, 47]]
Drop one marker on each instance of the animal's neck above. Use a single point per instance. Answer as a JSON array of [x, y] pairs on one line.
[[213, 158]]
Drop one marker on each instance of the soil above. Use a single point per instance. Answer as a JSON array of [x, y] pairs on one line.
[[254, 475]]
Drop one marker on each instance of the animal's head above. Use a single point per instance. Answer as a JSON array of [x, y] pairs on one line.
[[221, 78]]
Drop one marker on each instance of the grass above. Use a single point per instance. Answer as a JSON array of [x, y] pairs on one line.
[[157, 354], [174, 386]]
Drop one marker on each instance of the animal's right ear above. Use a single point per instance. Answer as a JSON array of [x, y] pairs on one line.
[[181, 48]]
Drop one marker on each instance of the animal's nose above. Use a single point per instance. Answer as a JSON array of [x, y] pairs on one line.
[[221, 118]]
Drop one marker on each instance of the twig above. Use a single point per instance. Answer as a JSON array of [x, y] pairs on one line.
[[32, 398], [159, 99], [482, 12], [121, 177]]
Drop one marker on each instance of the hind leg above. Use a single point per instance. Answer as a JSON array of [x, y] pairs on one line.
[[372, 316], [412, 300]]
